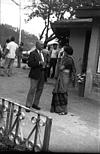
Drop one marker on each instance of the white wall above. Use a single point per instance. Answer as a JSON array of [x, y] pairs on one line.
[[77, 41]]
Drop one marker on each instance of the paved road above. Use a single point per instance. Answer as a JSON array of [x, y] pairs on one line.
[[79, 131]]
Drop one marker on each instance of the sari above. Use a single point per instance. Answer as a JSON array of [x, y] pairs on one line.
[[60, 92]]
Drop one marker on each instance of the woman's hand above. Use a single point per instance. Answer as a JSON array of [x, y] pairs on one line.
[[61, 67]]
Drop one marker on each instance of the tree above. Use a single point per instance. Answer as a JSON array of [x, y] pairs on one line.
[[6, 31], [49, 9]]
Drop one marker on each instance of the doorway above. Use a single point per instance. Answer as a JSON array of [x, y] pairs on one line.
[[86, 50]]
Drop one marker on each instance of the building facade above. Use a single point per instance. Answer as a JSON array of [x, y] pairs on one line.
[[84, 37]]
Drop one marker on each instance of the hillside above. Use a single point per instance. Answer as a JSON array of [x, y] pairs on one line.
[[6, 31]]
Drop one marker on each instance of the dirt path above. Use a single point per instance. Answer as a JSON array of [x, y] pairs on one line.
[[76, 132]]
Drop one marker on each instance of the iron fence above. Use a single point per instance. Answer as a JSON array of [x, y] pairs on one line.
[[23, 131]]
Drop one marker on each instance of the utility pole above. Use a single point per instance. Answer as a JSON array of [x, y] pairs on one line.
[[0, 12], [19, 5], [0, 22], [19, 21]]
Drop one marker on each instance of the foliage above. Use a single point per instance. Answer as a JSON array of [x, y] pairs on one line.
[[57, 9], [47, 9], [81, 78], [6, 31]]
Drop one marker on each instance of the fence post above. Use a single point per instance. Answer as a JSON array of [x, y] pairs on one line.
[[17, 124], [8, 119], [11, 116], [37, 127], [47, 134]]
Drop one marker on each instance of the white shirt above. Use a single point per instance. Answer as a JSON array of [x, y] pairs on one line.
[[0, 48], [54, 53], [61, 51], [12, 47], [41, 54]]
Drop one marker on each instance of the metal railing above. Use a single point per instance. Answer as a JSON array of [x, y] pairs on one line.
[[21, 132]]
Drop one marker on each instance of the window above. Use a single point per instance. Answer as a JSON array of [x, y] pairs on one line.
[[98, 65]]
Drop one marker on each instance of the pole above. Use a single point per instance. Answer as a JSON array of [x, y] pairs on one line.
[[0, 23], [0, 12], [19, 18], [19, 21]]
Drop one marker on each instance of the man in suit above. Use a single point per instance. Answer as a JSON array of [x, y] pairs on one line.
[[36, 63]]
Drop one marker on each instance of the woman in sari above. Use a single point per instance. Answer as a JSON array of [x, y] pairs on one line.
[[65, 74]]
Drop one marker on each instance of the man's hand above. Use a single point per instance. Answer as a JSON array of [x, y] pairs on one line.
[[42, 63]]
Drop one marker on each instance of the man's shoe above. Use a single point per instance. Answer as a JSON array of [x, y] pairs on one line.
[[17, 67], [36, 107], [27, 110], [2, 74], [9, 75]]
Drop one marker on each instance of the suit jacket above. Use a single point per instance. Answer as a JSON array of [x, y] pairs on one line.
[[33, 63]]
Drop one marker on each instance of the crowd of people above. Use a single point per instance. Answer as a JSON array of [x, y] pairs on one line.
[[54, 61], [63, 70], [8, 53]]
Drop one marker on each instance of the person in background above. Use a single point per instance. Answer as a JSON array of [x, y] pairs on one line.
[[46, 58], [60, 55], [5, 45], [0, 54], [37, 64], [53, 60], [67, 69], [19, 54], [10, 53], [48, 61], [4, 52]]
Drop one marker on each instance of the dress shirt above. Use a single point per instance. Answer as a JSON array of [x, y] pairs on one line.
[[41, 54]]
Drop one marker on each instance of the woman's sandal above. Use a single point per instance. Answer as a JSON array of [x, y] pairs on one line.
[[62, 113]]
